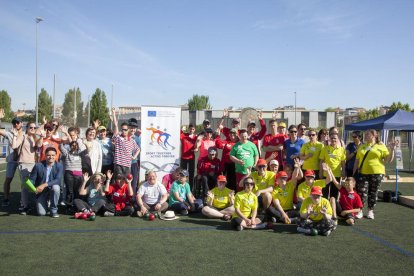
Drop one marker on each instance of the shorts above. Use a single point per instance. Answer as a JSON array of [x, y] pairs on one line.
[[11, 169]]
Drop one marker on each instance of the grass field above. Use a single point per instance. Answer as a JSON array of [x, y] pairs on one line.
[[197, 246]]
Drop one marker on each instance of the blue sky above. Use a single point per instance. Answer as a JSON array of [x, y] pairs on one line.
[[240, 53]]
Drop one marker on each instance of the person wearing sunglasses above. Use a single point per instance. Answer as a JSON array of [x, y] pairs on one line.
[[292, 146], [49, 141], [11, 158], [310, 152], [245, 206], [351, 151], [126, 149], [323, 136], [26, 146], [302, 132]]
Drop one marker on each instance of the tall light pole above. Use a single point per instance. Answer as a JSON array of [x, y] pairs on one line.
[[37, 20]]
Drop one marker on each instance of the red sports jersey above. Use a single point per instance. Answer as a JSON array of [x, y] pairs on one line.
[[349, 201], [206, 166]]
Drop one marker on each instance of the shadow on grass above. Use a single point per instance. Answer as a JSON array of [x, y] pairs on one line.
[[285, 228], [199, 219]]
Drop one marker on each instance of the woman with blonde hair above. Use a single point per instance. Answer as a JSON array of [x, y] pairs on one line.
[[370, 164]]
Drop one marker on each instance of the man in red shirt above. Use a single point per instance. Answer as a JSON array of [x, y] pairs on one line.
[[188, 141], [208, 168], [254, 136], [273, 143]]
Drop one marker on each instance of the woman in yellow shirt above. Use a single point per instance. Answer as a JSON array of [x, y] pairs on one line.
[[245, 205], [373, 169], [220, 201]]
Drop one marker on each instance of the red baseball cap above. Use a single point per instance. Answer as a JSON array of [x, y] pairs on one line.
[[222, 178], [281, 174], [310, 173], [261, 162], [316, 190]]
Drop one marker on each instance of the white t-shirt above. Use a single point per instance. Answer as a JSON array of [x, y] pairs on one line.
[[151, 194]]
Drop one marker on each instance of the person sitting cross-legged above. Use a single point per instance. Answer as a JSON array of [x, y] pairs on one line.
[[120, 193], [181, 199], [152, 196], [245, 206], [316, 213], [95, 194], [220, 201]]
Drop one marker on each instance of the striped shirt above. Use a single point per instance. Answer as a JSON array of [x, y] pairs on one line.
[[124, 148]]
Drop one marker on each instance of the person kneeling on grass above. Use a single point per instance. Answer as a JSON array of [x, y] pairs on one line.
[[121, 193], [96, 200], [350, 202], [316, 213], [245, 205], [152, 196], [46, 177], [220, 201], [181, 199]]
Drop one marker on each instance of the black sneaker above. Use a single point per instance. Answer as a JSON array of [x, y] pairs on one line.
[[24, 211], [184, 212], [5, 203]]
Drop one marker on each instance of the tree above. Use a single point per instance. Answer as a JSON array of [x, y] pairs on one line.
[[99, 108], [5, 104], [331, 109], [198, 102], [369, 114], [68, 108], [45, 105], [395, 106]]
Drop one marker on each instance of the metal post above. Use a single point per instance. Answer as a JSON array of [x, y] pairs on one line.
[[54, 96], [37, 20], [89, 111], [295, 109], [74, 106]]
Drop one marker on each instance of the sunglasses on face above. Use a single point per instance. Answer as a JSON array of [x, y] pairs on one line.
[[293, 131], [249, 183], [54, 125], [49, 129], [32, 127], [124, 129], [312, 134]]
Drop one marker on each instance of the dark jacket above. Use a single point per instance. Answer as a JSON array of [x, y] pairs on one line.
[[39, 173]]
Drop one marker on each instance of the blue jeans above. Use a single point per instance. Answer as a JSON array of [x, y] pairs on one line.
[[41, 201], [180, 206]]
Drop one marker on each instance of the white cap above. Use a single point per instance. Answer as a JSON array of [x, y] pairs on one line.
[[274, 162]]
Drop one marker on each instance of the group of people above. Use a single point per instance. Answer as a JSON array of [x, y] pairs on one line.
[[299, 176]]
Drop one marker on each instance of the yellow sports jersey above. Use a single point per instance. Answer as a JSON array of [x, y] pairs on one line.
[[263, 182], [374, 162], [311, 163], [285, 196], [246, 203], [316, 214], [221, 198], [304, 190], [333, 157]]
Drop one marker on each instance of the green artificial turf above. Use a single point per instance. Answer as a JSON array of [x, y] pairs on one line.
[[198, 246]]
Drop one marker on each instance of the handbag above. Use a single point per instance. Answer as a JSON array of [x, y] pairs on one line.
[[357, 174]]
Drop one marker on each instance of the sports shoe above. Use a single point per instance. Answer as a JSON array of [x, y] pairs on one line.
[[239, 228], [55, 215], [5, 203], [184, 212], [140, 214], [370, 214], [335, 223], [360, 215], [24, 211], [108, 214], [274, 220], [303, 230], [327, 233]]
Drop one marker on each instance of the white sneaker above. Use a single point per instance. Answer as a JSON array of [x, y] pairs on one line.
[[370, 214], [360, 215]]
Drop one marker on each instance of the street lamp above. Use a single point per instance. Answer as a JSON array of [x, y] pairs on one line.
[[37, 20]]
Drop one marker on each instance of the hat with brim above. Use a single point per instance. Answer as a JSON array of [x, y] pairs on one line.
[[169, 215]]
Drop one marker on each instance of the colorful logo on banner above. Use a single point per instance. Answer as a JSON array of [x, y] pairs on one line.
[[159, 137]]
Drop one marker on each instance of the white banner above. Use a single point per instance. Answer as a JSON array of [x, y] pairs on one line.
[[160, 139]]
